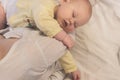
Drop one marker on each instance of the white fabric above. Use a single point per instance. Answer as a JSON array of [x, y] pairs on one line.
[[32, 57], [11, 8], [114, 4], [97, 49]]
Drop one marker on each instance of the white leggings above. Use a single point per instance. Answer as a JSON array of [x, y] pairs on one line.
[[32, 57]]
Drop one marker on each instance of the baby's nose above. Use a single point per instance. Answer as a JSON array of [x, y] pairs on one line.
[[69, 22]]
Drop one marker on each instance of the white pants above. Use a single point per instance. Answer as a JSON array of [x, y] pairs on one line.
[[32, 57]]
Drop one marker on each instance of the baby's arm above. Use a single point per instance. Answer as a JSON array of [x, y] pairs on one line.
[[69, 65], [65, 38], [50, 27]]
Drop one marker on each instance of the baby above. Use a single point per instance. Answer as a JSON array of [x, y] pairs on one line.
[[54, 20]]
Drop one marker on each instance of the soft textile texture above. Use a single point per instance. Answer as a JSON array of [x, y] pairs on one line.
[[97, 46], [32, 57]]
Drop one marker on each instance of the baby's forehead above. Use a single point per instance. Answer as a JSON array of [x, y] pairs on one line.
[[83, 15], [81, 7]]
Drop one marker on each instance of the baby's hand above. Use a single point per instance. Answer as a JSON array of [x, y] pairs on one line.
[[76, 75], [65, 39], [68, 41]]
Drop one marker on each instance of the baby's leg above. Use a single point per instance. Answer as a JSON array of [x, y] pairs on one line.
[[5, 45]]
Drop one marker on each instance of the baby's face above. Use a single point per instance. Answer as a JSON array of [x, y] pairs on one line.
[[73, 14], [2, 17]]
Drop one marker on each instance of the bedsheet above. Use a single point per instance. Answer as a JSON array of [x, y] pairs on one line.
[[97, 49]]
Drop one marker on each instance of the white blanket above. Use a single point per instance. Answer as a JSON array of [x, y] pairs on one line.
[[97, 49]]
